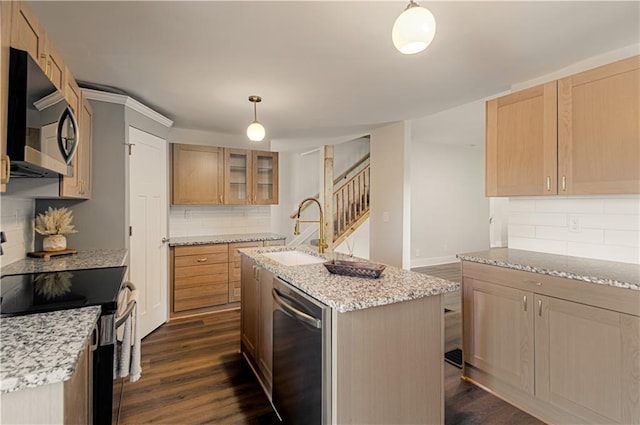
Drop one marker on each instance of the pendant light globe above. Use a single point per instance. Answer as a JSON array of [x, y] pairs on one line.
[[414, 29], [255, 131]]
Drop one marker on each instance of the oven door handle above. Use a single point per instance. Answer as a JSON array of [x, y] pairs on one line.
[[294, 312]]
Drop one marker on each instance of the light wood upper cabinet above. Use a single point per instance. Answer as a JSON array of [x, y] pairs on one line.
[[27, 34], [78, 184], [265, 178], [599, 130], [197, 175], [237, 176], [576, 136], [54, 66], [587, 361], [521, 142]]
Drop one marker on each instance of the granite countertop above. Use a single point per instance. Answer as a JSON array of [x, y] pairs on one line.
[[621, 275], [232, 238], [89, 259], [344, 293], [60, 338]]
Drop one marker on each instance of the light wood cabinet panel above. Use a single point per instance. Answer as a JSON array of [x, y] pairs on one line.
[[599, 130], [201, 249], [250, 308], [197, 175], [235, 269], [207, 295], [587, 361], [78, 184], [265, 330], [78, 391], [55, 67], [5, 41], [583, 356], [265, 178], [499, 337], [237, 176], [521, 142], [27, 34]]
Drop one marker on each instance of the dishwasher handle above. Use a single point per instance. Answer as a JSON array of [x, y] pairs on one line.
[[294, 312]]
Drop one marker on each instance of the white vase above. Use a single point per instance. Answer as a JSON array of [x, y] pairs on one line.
[[54, 243]]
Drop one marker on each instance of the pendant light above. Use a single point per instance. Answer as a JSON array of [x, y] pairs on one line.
[[414, 29], [255, 131]]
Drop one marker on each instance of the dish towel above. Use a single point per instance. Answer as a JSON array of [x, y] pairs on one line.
[[127, 361]]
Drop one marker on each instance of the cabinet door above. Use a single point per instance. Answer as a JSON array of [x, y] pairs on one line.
[[5, 37], [237, 176], [587, 360], [250, 306], [197, 173], [521, 143], [54, 67], [265, 331], [77, 185], [27, 34], [498, 337], [78, 391], [599, 130], [265, 178]]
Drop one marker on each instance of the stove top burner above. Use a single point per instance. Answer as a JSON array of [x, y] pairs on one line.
[[41, 292]]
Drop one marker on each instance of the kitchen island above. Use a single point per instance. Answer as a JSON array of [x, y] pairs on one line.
[[384, 362]]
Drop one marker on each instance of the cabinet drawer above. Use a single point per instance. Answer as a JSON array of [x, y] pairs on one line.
[[234, 255], [278, 242], [198, 297], [203, 270], [201, 260], [235, 271], [201, 249], [234, 291], [200, 281]]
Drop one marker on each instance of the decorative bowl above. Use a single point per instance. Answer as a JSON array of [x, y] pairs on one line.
[[355, 268]]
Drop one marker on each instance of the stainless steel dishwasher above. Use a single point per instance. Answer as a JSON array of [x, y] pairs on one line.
[[301, 356]]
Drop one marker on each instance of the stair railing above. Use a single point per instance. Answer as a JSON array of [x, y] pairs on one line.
[[351, 204]]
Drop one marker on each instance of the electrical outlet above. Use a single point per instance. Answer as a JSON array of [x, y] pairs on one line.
[[574, 223]]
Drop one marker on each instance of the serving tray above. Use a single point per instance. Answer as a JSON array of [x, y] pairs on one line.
[[355, 268]]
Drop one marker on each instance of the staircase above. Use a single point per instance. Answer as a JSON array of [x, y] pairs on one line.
[[350, 200]]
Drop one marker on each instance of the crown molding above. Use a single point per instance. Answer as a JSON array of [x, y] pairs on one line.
[[120, 99], [49, 100]]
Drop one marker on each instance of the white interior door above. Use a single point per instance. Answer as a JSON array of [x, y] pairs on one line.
[[148, 219]]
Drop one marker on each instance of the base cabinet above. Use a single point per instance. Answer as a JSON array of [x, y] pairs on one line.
[[257, 321], [69, 402], [563, 360]]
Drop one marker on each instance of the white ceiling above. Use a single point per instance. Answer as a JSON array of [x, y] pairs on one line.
[[324, 69]]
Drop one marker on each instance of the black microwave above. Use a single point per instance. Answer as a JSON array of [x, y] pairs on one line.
[[42, 131]]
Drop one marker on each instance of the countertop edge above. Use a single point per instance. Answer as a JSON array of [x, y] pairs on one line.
[[54, 374], [549, 271], [281, 272], [222, 239]]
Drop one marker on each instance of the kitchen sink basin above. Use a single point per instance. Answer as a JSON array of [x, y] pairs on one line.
[[293, 258]]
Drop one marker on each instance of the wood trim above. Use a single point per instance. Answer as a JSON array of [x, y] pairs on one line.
[[605, 71], [119, 99]]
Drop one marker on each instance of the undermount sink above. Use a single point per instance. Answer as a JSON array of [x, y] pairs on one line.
[[293, 258]]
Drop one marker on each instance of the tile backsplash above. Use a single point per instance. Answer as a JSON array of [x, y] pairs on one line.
[[16, 222], [218, 220], [601, 227]]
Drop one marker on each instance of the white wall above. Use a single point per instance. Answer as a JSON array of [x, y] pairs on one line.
[[602, 227], [16, 223], [390, 218], [449, 212]]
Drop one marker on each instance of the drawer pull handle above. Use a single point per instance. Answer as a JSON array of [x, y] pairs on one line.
[[540, 308], [564, 183], [533, 282], [548, 183], [524, 302], [202, 260]]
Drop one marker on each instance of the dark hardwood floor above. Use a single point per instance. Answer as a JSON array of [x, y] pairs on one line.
[[193, 373]]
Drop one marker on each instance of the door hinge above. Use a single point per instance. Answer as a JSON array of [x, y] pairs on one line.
[[130, 149], [130, 231]]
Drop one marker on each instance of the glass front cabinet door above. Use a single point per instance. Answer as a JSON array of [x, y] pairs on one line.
[[237, 179], [265, 178]]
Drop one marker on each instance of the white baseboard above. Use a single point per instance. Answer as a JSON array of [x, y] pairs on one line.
[[433, 261]]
